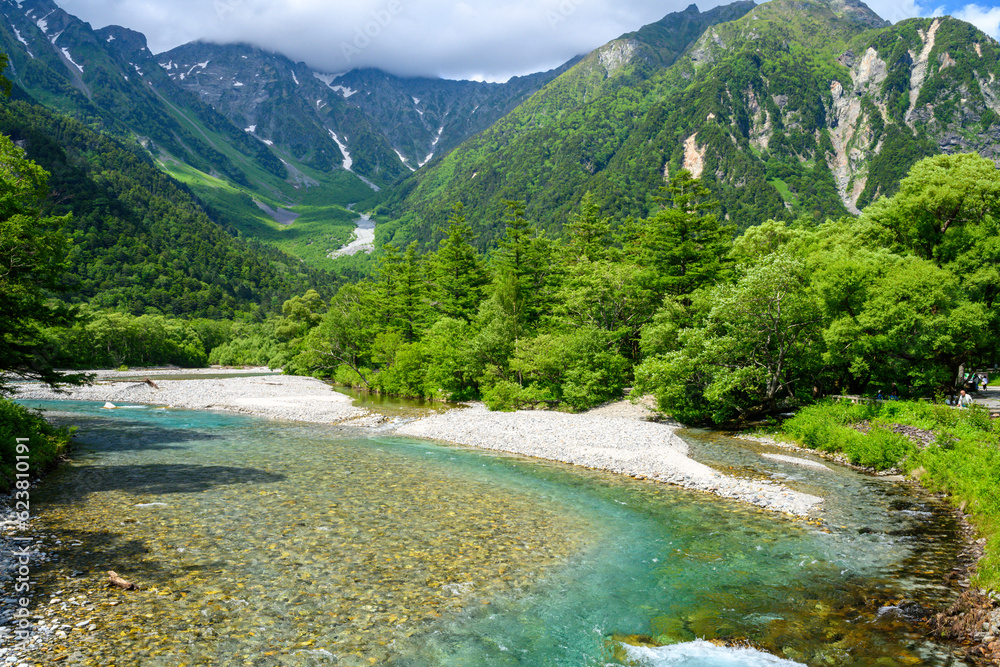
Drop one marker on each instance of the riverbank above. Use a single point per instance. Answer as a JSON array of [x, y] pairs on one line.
[[273, 396], [614, 438], [947, 451]]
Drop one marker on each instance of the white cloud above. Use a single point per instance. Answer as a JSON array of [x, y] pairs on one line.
[[986, 19], [490, 38], [896, 10], [486, 39]]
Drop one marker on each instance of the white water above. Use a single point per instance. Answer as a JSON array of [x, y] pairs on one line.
[[704, 654]]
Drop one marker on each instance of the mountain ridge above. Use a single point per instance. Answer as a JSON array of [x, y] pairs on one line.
[[791, 108]]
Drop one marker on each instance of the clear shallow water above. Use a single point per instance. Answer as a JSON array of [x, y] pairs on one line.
[[393, 406], [265, 543]]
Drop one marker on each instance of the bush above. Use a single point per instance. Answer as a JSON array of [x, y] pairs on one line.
[[45, 445], [826, 427], [503, 396]]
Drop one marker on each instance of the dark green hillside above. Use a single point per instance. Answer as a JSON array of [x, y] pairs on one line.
[[140, 241], [71, 68]]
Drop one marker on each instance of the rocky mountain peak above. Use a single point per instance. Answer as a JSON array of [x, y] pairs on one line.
[[857, 12]]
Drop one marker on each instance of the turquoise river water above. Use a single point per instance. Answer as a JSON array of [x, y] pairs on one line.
[[260, 542]]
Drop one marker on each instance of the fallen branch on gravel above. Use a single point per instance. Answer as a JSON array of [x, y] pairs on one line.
[[116, 580]]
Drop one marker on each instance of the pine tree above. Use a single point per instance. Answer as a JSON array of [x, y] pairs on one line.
[[682, 245], [456, 269]]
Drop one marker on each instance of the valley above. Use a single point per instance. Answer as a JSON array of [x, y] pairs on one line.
[[777, 221]]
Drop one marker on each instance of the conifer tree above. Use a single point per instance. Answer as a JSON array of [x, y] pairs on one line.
[[456, 269], [683, 245]]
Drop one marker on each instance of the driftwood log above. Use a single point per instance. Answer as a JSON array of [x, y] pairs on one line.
[[116, 580]]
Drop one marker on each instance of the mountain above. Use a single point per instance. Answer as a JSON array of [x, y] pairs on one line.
[[790, 108], [271, 147], [62, 63], [379, 125]]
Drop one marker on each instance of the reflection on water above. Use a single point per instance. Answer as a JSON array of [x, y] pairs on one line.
[[393, 406], [264, 543]]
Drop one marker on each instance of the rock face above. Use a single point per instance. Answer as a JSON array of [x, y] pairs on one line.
[[379, 125]]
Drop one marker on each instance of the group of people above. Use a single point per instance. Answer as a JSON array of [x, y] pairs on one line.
[[963, 400], [980, 380]]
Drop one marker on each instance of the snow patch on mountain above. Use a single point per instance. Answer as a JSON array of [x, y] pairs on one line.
[[65, 52], [348, 162], [42, 24], [402, 158], [328, 79], [23, 41], [295, 79], [201, 65], [434, 144]]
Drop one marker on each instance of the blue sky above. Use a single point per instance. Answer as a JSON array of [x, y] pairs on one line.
[[480, 39]]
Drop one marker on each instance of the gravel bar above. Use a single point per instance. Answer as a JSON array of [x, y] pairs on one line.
[[276, 396], [624, 445]]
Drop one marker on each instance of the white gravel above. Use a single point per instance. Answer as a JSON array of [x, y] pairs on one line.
[[275, 396], [624, 445]]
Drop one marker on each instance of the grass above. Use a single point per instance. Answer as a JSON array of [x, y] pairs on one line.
[[963, 462], [324, 223], [786, 194]]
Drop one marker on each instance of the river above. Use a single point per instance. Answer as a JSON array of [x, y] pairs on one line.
[[260, 542]]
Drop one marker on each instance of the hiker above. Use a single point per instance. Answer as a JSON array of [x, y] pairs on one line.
[[964, 400]]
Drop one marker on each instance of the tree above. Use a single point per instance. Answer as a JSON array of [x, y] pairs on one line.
[[938, 203], [589, 232], [33, 254], [682, 246], [345, 334], [757, 347], [456, 270]]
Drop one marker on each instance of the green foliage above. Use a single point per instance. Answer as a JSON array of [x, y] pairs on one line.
[[827, 427], [963, 462], [43, 446], [250, 345], [138, 240], [456, 270], [750, 354], [113, 339], [33, 253]]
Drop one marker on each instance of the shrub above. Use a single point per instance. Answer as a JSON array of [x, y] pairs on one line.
[[46, 443]]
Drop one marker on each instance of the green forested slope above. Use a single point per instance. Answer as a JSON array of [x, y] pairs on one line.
[[548, 150], [140, 241]]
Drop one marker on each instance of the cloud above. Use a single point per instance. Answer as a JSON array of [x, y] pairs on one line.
[[986, 19], [490, 39], [482, 39], [897, 10]]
